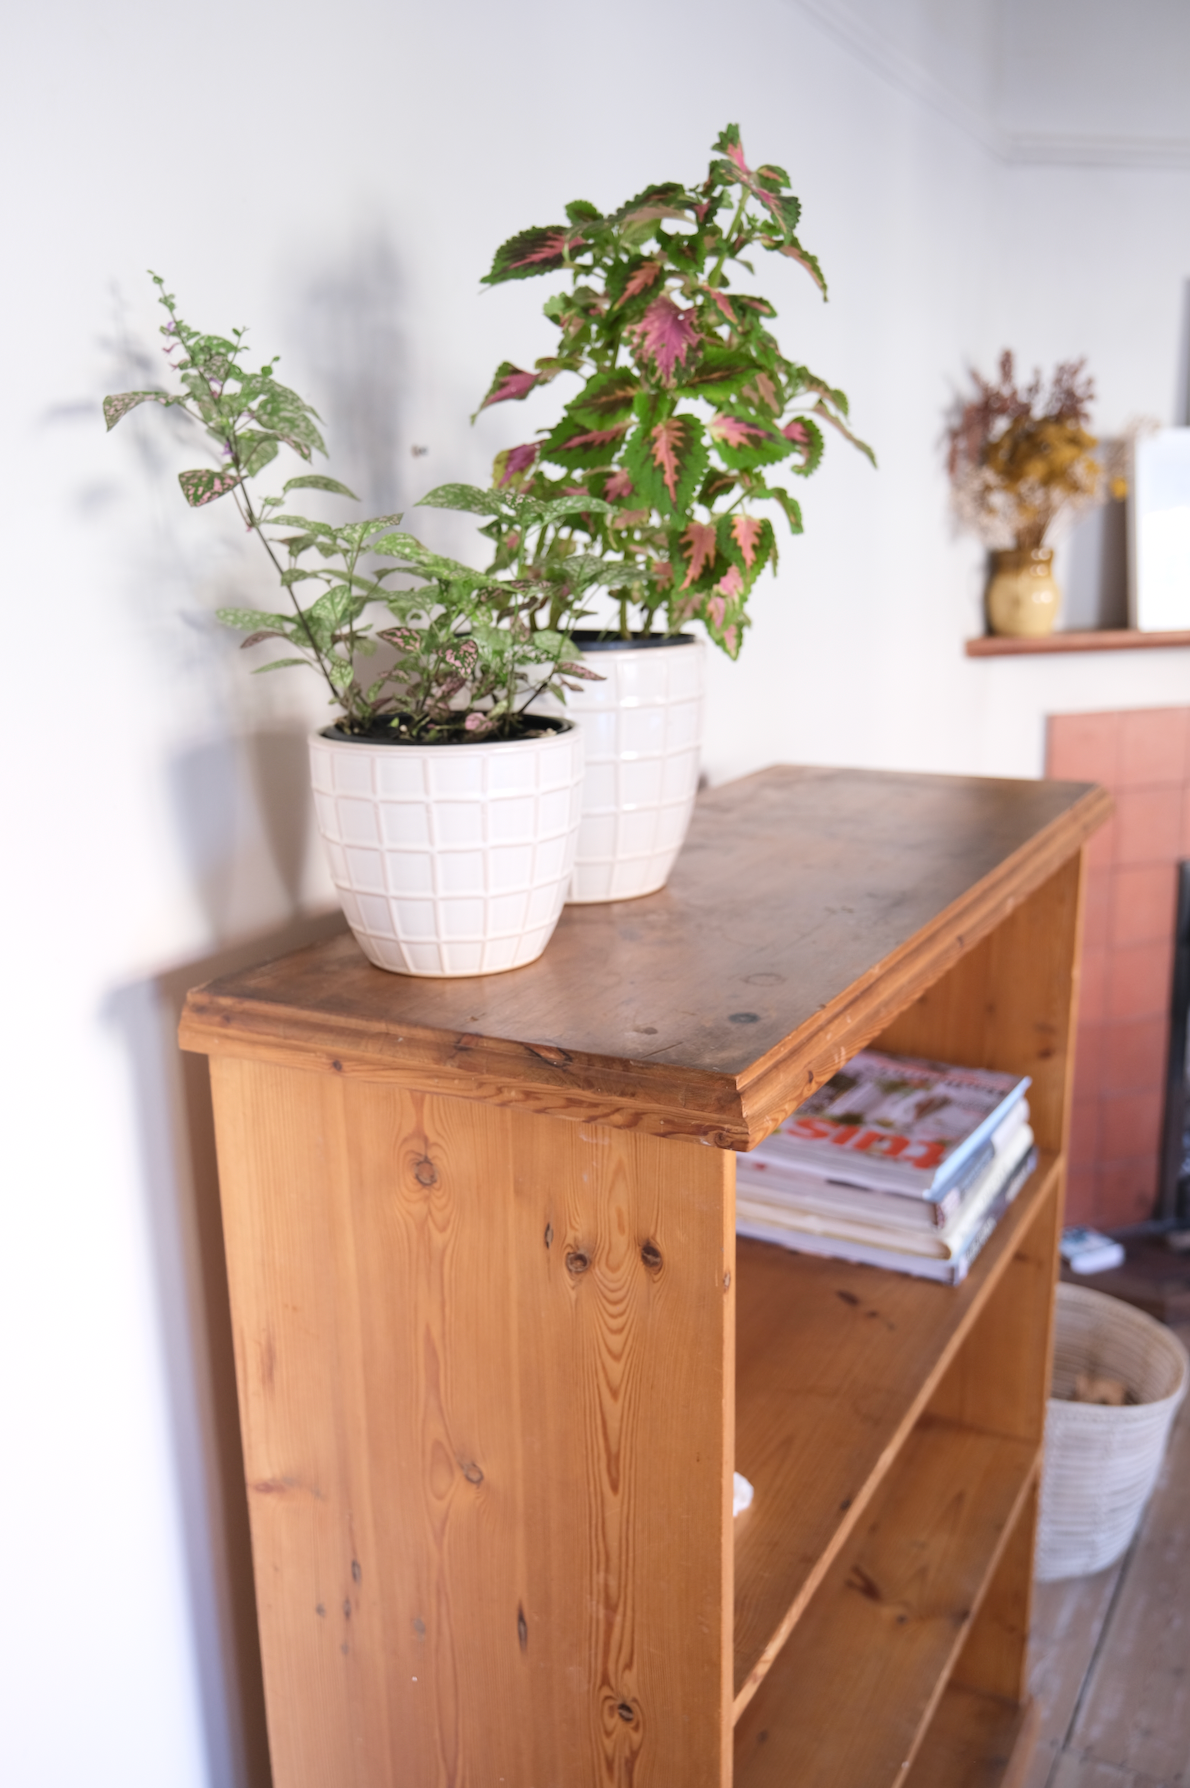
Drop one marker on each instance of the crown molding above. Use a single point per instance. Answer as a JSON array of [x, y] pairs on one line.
[[902, 70], [1089, 150], [1016, 148]]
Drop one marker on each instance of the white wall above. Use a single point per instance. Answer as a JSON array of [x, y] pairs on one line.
[[338, 180], [1090, 81]]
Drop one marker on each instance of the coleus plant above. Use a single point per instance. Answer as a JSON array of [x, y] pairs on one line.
[[689, 415], [467, 652]]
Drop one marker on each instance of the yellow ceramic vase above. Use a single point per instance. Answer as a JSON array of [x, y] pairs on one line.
[[1022, 596]]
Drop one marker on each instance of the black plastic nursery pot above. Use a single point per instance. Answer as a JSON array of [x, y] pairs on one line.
[[383, 732], [589, 639]]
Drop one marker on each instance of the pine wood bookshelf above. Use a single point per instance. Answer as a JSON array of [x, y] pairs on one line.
[[498, 1351]]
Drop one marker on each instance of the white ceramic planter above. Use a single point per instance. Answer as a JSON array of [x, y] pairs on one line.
[[643, 728], [450, 859]]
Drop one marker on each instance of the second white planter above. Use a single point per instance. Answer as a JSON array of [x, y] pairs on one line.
[[643, 731]]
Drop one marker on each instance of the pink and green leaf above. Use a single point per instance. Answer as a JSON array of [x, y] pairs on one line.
[[206, 485], [733, 431], [115, 407], [820, 409], [583, 449], [666, 462], [701, 545], [722, 303], [669, 199], [513, 464], [806, 437], [607, 398], [665, 335], [804, 258], [744, 445], [510, 384], [531, 252], [644, 276], [790, 506], [719, 374], [746, 531]]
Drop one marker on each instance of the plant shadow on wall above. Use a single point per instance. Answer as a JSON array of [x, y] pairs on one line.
[[241, 808], [239, 793], [176, 1139], [346, 323]]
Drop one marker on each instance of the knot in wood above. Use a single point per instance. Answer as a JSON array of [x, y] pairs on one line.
[[425, 1172], [651, 1255], [472, 1473], [626, 1711], [577, 1262]]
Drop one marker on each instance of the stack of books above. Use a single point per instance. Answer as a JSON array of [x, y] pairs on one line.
[[894, 1162]]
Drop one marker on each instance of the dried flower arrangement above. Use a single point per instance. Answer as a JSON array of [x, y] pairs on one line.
[[1020, 456]]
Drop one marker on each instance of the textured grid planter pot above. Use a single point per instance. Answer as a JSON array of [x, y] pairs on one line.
[[450, 859], [643, 729], [1101, 1463]]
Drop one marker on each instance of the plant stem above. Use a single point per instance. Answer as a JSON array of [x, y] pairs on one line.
[[737, 220], [249, 515]]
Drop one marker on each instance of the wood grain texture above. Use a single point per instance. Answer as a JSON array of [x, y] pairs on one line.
[[1000, 1383], [1083, 1772], [807, 909], [994, 1658], [484, 1372], [848, 1700], [974, 1741], [1065, 1629], [1011, 1003], [1135, 1712], [1098, 639], [834, 1365]]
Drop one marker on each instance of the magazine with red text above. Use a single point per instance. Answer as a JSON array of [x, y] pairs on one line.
[[894, 1123]]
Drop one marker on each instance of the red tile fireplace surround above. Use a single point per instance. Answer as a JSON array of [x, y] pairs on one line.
[[1143, 757]]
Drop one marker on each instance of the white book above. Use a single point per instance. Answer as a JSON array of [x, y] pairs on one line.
[[941, 1244], [919, 1266]]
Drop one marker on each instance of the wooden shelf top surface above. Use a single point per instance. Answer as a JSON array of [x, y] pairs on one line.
[[1095, 639], [808, 906]]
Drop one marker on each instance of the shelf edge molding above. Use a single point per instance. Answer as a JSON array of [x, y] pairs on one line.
[[1099, 639]]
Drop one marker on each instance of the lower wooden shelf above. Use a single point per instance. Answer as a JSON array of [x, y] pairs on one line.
[[975, 1741], [849, 1696], [834, 1365]]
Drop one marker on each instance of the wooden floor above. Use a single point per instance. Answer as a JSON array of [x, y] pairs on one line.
[[1111, 1654]]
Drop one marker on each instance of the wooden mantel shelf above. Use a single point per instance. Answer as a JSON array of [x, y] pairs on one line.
[[1102, 639]]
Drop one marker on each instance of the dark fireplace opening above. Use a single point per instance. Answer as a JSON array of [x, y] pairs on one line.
[[1173, 1203]]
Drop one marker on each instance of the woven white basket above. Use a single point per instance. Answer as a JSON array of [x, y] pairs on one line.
[[1101, 1462]]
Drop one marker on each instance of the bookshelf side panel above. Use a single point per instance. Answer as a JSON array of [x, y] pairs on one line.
[[484, 1385]]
